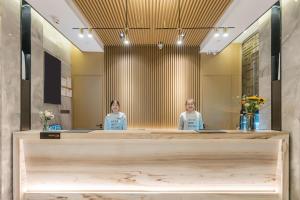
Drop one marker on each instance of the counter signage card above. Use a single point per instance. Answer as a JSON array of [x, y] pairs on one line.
[[50, 135]]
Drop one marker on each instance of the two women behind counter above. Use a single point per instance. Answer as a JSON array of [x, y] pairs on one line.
[[188, 120]]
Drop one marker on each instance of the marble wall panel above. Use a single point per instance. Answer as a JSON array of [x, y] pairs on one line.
[[9, 89], [291, 87], [46, 38], [290, 83], [265, 69]]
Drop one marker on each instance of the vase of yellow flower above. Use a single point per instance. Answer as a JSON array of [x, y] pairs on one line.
[[252, 105], [45, 117]]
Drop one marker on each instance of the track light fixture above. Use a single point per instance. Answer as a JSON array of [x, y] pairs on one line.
[[90, 35], [82, 30], [179, 42], [126, 41], [225, 32], [81, 34], [160, 45], [124, 37], [180, 37], [217, 33]]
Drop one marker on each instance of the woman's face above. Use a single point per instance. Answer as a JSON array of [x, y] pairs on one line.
[[115, 107], [190, 105]]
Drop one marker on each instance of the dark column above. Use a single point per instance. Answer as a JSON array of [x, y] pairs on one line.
[[25, 66], [276, 67]]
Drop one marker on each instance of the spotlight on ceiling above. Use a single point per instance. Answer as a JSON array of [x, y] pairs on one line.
[[225, 32], [179, 42], [182, 34], [124, 38], [217, 33], [90, 35], [122, 35], [160, 45], [180, 38], [126, 41], [81, 34]]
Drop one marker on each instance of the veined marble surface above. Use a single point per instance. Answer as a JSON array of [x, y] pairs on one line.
[[152, 164], [44, 37], [9, 89], [291, 86], [265, 69]]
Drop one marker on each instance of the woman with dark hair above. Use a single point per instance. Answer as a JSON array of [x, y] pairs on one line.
[[115, 120], [190, 119]]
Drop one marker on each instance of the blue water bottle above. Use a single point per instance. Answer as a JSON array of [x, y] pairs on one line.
[[243, 119], [256, 120]]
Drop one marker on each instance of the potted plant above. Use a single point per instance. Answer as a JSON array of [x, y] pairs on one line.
[[252, 105]]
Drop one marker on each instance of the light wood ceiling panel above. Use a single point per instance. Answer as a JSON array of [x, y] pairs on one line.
[[152, 14]]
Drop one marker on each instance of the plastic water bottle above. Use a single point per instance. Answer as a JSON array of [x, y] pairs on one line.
[[256, 120], [243, 119]]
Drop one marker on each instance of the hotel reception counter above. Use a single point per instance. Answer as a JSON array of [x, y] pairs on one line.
[[151, 165]]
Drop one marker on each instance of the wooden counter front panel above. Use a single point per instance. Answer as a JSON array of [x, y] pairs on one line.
[[152, 169]]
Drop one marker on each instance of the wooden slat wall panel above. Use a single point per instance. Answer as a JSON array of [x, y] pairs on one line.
[[250, 61], [153, 14], [152, 85]]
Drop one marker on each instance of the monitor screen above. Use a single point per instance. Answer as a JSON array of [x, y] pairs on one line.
[[52, 79]]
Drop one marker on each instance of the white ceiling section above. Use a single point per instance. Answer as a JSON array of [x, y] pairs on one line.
[[68, 17], [240, 14]]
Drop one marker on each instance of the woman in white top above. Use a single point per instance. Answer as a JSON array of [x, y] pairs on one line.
[[190, 119], [115, 120]]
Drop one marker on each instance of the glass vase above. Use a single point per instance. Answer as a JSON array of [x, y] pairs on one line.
[[251, 122], [45, 125]]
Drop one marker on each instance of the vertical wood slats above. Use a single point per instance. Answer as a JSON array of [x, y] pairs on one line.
[[153, 14], [152, 85], [250, 61]]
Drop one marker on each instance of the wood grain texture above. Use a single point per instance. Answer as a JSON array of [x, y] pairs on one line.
[[151, 196], [250, 65], [152, 85], [152, 14], [168, 165]]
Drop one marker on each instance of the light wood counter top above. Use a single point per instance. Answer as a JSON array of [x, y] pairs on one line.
[[159, 133], [151, 164]]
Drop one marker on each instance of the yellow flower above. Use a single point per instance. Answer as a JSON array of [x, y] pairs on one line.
[[262, 100], [253, 98]]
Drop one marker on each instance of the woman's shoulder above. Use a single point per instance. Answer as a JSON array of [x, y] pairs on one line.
[[109, 115], [198, 113], [121, 114], [182, 114]]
